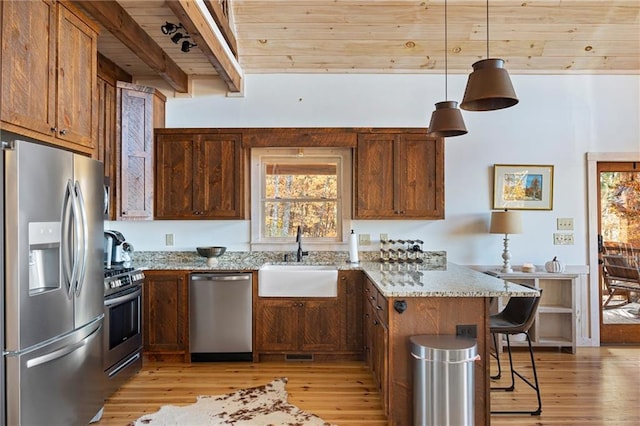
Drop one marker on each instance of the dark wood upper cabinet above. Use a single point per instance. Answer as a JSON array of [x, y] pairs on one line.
[[199, 175], [398, 176], [49, 73], [108, 76]]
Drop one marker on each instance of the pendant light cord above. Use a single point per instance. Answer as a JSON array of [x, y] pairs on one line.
[[487, 29], [446, 64]]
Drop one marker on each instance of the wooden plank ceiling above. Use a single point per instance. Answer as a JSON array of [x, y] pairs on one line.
[[403, 36]]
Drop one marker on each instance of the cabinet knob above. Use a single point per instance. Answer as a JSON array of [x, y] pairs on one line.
[[63, 132], [54, 129]]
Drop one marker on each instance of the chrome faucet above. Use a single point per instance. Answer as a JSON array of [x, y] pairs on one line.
[[300, 253]]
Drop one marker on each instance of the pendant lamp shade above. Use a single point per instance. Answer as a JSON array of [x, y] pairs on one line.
[[446, 120], [489, 87]]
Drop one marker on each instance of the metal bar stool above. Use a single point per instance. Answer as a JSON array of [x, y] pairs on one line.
[[516, 318]]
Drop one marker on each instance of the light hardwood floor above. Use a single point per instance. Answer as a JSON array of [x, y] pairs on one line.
[[596, 386]]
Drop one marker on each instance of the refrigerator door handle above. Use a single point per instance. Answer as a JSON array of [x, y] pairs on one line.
[[83, 237], [67, 262], [75, 215], [51, 356]]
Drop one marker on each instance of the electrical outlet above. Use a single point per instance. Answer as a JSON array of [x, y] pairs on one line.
[[384, 237], [470, 330], [565, 224], [563, 239], [364, 239], [168, 239]]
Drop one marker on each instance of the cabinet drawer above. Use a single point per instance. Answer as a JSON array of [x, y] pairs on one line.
[[370, 292], [381, 308], [377, 301]]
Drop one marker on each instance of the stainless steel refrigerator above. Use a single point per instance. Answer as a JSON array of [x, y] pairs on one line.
[[52, 285]]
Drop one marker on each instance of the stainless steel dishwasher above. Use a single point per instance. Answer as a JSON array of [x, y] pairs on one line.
[[220, 317]]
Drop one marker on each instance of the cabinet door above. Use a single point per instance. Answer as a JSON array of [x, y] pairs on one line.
[[106, 145], [380, 361], [165, 301], [419, 171], [218, 176], [321, 325], [352, 281], [368, 317], [374, 195], [277, 321], [174, 164], [29, 65], [399, 176], [76, 113], [135, 155]]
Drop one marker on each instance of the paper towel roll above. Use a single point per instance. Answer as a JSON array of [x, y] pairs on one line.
[[353, 247]]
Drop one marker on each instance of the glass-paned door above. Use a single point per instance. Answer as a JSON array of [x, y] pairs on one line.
[[619, 251]]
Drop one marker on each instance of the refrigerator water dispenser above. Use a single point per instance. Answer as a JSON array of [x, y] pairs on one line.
[[44, 255]]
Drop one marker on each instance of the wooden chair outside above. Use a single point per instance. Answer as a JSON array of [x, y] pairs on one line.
[[621, 277]]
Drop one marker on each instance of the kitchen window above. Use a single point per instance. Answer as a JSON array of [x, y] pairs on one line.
[[307, 187]]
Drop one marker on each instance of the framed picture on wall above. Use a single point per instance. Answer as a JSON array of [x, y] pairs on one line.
[[522, 187]]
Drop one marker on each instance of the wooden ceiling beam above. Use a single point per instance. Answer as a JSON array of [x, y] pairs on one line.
[[213, 46], [222, 20], [119, 23]]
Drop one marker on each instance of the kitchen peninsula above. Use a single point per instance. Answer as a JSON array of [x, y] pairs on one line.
[[395, 301]]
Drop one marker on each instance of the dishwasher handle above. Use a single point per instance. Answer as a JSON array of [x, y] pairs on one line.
[[220, 277]]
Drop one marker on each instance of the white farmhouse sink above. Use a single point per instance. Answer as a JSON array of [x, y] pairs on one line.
[[297, 281]]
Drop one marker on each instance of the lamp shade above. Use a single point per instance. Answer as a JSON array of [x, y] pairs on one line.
[[505, 222], [446, 120], [489, 87]]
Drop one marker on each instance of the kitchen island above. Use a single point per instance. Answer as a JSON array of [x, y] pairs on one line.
[[400, 300]]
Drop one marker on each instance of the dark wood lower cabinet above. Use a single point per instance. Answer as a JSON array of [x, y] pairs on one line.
[[165, 316], [325, 328]]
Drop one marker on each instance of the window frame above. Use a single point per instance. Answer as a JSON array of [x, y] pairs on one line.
[[260, 156]]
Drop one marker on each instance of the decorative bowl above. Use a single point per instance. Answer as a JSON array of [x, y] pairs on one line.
[[209, 252]]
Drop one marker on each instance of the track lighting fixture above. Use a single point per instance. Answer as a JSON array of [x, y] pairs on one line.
[[186, 46], [170, 28], [177, 37]]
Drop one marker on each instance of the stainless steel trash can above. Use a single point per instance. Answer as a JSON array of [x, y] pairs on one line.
[[443, 387]]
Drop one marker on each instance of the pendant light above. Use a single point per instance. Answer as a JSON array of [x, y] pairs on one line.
[[446, 120], [489, 86]]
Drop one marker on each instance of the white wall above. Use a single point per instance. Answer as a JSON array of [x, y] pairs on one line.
[[558, 120]]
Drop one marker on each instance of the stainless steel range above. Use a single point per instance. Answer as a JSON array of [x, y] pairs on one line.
[[123, 325]]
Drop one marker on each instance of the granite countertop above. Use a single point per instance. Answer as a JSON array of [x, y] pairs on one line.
[[435, 277], [455, 281]]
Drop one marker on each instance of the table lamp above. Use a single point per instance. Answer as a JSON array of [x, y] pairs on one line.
[[506, 222]]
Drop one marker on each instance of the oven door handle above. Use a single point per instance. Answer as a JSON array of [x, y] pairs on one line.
[[122, 299]]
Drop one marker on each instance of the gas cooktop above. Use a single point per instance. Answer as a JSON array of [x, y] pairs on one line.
[[120, 279]]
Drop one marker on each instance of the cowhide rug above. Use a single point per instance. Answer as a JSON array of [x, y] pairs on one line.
[[262, 405]]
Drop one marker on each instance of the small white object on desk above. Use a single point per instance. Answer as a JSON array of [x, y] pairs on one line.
[[528, 267]]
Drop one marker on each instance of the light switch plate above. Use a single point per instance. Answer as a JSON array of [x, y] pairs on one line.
[[384, 237], [563, 239], [364, 239], [565, 224], [168, 239]]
